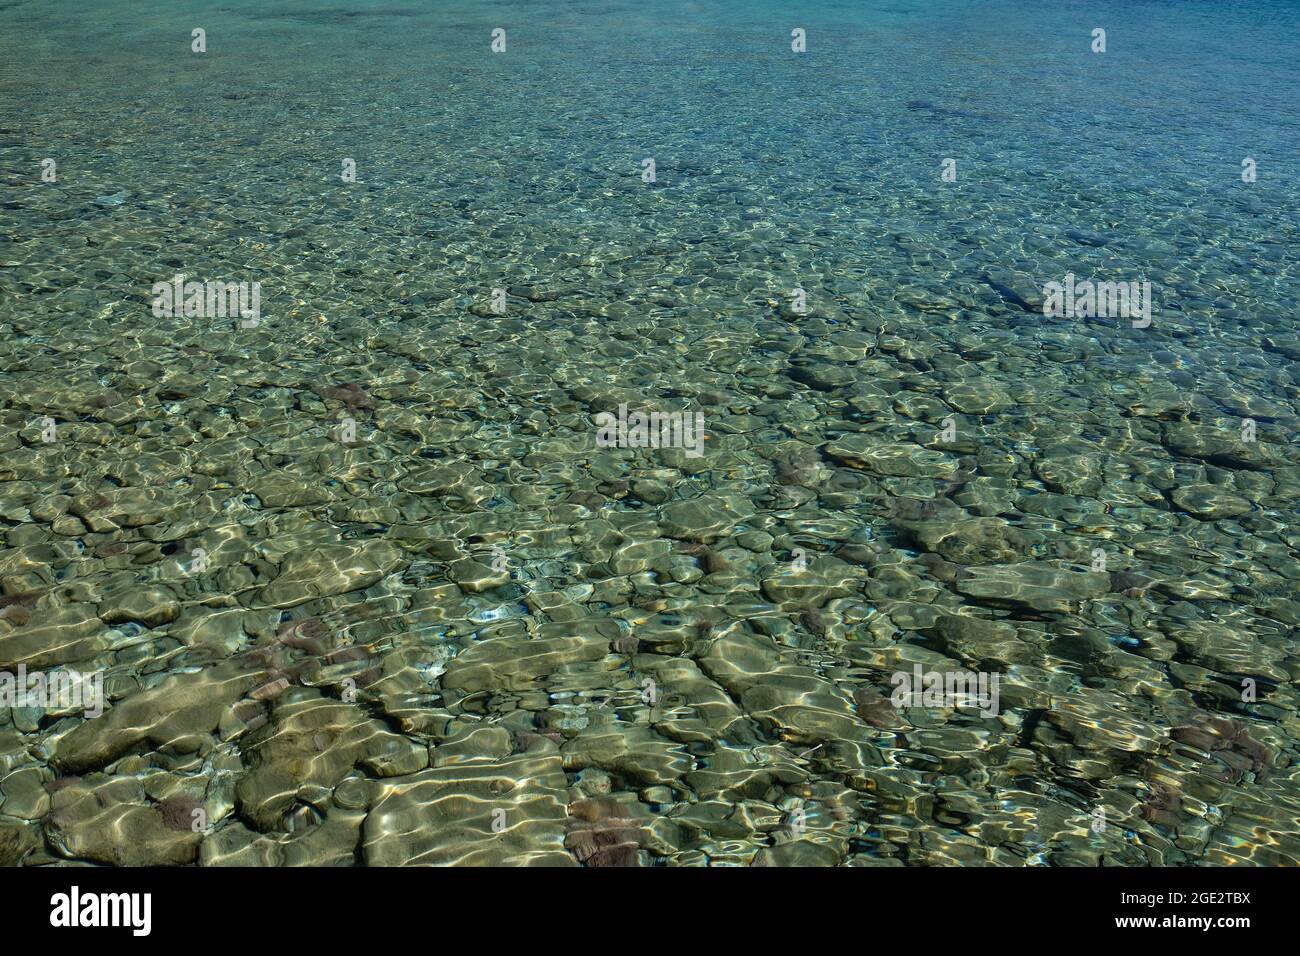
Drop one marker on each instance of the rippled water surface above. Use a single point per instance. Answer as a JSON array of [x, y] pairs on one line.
[[361, 584]]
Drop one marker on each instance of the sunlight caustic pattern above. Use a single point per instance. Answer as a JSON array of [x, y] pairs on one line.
[[673, 434]]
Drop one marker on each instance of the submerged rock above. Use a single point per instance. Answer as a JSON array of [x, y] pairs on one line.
[[910, 461], [1031, 584], [324, 572], [508, 813], [180, 715]]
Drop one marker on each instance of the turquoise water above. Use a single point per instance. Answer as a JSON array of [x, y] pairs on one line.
[[917, 467]]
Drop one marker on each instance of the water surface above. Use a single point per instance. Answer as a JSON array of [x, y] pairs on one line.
[[363, 588]]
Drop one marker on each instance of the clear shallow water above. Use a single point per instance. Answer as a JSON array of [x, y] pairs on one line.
[[350, 679]]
